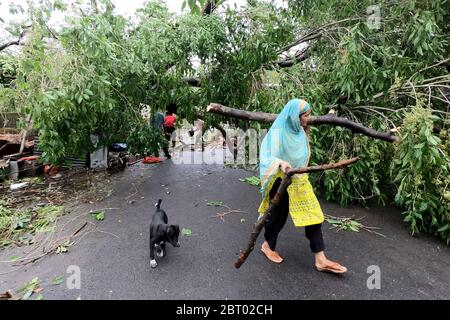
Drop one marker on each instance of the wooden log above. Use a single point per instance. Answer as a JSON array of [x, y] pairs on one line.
[[329, 119]]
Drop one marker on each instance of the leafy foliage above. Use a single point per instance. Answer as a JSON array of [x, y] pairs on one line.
[[15, 225], [94, 75], [422, 173]]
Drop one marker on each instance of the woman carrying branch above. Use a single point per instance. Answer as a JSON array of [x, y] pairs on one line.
[[286, 146]]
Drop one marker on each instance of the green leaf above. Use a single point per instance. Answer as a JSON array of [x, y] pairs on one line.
[[39, 297], [27, 294], [63, 248], [333, 221], [27, 290], [98, 216], [254, 181], [186, 232], [14, 258], [57, 280], [215, 203], [423, 206], [444, 228]]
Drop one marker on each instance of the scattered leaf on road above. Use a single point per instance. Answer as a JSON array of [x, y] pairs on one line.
[[63, 248], [99, 216], [27, 290], [57, 280], [215, 203], [254, 181], [186, 232]]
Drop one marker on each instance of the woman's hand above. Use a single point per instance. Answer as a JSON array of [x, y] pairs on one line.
[[285, 167]]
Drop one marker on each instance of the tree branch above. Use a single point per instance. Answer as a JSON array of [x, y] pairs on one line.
[[13, 43], [209, 8], [321, 120], [241, 114], [289, 62], [310, 36], [314, 34], [285, 183], [299, 57], [51, 32]]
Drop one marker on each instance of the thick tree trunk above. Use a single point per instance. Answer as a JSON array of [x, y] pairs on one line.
[[286, 182], [321, 120]]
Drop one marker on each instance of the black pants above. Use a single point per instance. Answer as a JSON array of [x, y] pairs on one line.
[[277, 220], [165, 149], [168, 133]]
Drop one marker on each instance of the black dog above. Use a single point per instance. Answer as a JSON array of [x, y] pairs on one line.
[[160, 233]]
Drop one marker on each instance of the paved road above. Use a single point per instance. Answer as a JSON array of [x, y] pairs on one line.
[[114, 263]]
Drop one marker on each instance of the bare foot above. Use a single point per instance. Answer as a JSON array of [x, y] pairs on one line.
[[270, 254]]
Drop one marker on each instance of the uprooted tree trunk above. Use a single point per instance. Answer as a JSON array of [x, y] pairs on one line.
[[286, 182], [329, 119]]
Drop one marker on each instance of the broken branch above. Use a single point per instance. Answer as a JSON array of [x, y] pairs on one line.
[[222, 215], [13, 43], [285, 183], [329, 119]]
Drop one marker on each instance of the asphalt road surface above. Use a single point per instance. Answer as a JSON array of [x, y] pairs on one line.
[[114, 260]]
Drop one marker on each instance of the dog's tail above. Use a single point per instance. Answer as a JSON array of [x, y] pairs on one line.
[[158, 205]]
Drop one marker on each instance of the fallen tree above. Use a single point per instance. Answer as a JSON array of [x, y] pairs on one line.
[[329, 119], [286, 182]]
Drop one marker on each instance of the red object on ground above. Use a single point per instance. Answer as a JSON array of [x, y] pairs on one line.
[[151, 160], [54, 170], [28, 158], [51, 170]]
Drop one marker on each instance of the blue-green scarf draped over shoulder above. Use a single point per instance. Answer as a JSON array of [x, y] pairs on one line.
[[286, 140]]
